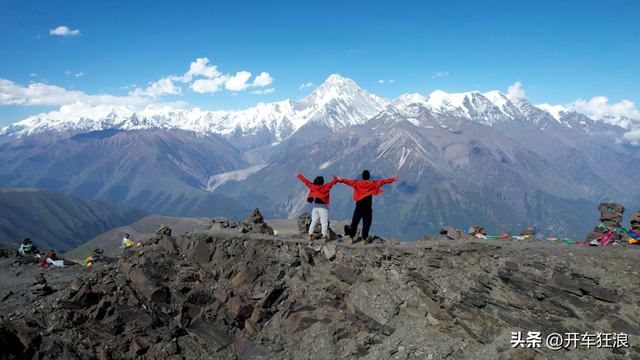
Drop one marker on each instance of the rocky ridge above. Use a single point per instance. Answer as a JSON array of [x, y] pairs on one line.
[[219, 294]]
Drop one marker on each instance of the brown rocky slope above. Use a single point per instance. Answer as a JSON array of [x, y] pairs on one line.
[[218, 294]]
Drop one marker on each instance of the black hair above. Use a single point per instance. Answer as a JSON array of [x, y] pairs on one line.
[[366, 175], [318, 181]]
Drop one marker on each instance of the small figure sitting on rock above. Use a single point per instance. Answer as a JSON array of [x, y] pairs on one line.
[[127, 241], [95, 256], [27, 247]]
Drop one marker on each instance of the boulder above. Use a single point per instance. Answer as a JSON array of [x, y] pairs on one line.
[[528, 231], [299, 321], [246, 349], [239, 307], [476, 229]]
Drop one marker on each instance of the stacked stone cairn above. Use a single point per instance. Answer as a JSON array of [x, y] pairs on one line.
[[40, 287], [611, 215], [528, 231], [254, 224], [476, 229], [635, 220]]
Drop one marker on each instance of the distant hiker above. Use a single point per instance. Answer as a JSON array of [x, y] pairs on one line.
[[49, 258], [27, 247], [319, 196], [362, 191], [127, 241], [95, 256]]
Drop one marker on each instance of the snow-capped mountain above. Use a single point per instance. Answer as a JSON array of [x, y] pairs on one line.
[[336, 104], [267, 131]]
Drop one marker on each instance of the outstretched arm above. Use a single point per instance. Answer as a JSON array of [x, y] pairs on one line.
[[304, 180], [332, 182], [379, 183]]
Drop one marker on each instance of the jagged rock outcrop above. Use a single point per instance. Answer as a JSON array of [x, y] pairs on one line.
[[223, 296], [254, 224]]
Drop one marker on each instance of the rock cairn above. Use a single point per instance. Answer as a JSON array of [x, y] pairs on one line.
[[528, 231], [611, 215], [40, 287], [254, 224]]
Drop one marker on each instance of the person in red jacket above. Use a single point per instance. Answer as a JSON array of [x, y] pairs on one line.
[[319, 196], [362, 191]]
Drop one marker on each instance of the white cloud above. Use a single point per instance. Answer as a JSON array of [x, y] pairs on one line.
[[215, 79], [200, 68], [440, 74], [516, 91], [51, 95], [265, 91], [391, 81], [158, 88], [598, 108], [262, 80], [64, 31], [238, 82], [211, 81], [207, 85], [633, 137], [381, 81], [306, 85]]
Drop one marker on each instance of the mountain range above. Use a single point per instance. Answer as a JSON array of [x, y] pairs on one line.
[[58, 221], [472, 158]]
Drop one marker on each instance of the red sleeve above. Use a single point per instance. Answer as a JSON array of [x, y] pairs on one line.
[[305, 181], [351, 183], [331, 183], [379, 183]]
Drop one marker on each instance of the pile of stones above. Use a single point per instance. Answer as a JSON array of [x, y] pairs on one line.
[[40, 287], [254, 224], [611, 215]]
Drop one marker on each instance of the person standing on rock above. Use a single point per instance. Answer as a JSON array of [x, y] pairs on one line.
[[319, 196], [362, 191]]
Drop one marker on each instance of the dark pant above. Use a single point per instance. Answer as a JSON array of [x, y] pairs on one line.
[[365, 215]]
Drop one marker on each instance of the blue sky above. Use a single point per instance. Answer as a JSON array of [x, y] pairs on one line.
[[559, 51]]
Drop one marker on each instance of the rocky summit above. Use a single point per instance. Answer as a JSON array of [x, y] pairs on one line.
[[224, 294]]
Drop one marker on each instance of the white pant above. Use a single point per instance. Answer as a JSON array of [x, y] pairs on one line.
[[320, 211]]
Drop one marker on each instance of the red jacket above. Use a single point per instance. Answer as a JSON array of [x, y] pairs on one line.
[[318, 191], [364, 188]]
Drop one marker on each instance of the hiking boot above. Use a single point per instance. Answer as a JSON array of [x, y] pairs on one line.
[[325, 239], [364, 242], [310, 237], [350, 240]]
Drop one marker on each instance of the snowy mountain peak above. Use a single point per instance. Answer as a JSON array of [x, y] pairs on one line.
[[339, 102], [555, 111], [335, 87], [407, 99]]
